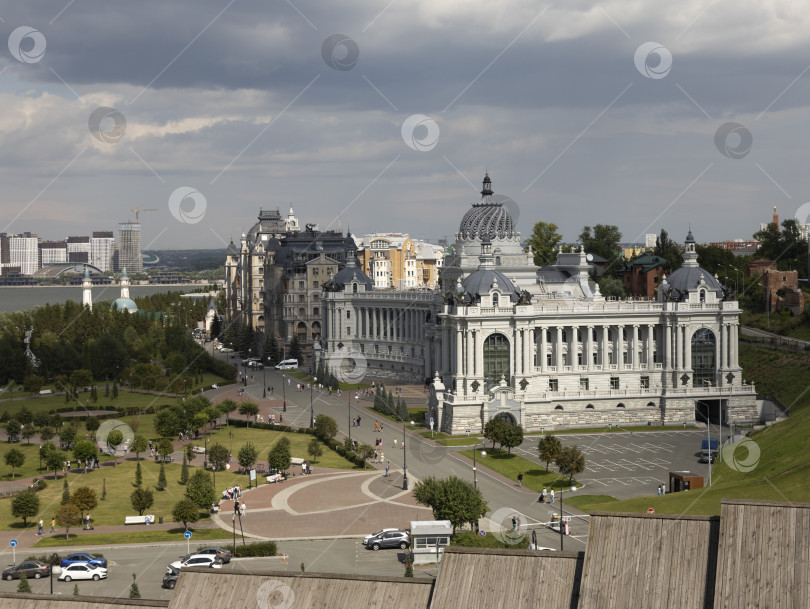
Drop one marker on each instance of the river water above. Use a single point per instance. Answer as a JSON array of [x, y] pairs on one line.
[[27, 297]]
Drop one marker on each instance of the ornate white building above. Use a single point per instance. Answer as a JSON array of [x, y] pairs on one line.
[[547, 351]]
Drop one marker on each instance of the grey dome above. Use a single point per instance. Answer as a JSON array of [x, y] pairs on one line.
[[687, 279], [487, 218], [480, 282], [348, 275]]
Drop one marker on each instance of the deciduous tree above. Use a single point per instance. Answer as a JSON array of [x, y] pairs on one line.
[[68, 516], [84, 498], [549, 447], [25, 505], [142, 499], [14, 458], [186, 511], [200, 489], [542, 242], [570, 462], [247, 455], [314, 449]]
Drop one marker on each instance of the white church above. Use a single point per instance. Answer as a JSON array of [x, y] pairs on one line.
[[541, 347]]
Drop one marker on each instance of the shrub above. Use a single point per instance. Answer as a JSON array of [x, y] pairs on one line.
[[261, 548], [469, 539]]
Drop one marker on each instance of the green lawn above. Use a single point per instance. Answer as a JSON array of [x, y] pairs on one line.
[[54, 402], [510, 465], [235, 437], [139, 534]]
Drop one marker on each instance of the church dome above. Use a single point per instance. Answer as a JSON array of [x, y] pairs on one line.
[[484, 279], [487, 218]]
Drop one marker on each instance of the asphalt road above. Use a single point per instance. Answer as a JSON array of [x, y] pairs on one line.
[[148, 563]]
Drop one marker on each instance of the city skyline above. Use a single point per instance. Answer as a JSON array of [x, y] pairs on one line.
[[613, 113]]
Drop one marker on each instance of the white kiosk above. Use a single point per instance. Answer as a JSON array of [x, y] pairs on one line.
[[429, 537]]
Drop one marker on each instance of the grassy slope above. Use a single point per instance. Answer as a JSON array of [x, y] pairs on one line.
[[781, 467]]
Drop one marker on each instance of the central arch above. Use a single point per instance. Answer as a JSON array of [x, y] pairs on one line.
[[704, 362], [496, 360]]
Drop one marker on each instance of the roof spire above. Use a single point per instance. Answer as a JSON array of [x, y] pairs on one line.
[[486, 191]]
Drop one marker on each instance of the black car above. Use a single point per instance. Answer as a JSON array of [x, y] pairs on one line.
[[390, 539], [225, 555], [170, 578], [31, 568]]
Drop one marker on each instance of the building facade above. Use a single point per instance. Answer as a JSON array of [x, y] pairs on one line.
[[274, 277], [78, 249], [19, 253], [395, 260], [102, 249], [52, 252], [129, 247], [542, 347]]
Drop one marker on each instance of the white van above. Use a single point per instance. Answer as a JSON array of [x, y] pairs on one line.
[[287, 364]]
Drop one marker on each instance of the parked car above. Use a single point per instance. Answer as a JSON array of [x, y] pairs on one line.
[[391, 539], [82, 571], [380, 532], [170, 577], [82, 557], [198, 560], [224, 555], [31, 568]]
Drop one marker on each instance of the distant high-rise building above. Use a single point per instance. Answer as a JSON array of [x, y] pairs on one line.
[[19, 253], [52, 252], [101, 250], [129, 247], [78, 249]]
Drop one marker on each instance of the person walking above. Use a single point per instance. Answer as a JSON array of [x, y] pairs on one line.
[[386, 468], [53, 524], [382, 454], [40, 529], [552, 496], [659, 489], [242, 509], [520, 479]]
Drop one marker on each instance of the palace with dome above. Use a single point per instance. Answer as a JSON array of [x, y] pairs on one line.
[[540, 347]]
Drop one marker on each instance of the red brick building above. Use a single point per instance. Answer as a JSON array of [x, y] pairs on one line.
[[643, 274]]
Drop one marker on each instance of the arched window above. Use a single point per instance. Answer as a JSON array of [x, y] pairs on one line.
[[301, 330], [316, 329], [619, 405], [496, 360], [651, 404], [558, 407], [703, 296], [494, 300], [704, 346], [354, 288], [589, 407]]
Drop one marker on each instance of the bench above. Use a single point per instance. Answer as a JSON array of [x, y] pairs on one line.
[[135, 520], [275, 478], [200, 450]]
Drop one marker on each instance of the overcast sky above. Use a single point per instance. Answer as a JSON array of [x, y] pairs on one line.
[[384, 115]]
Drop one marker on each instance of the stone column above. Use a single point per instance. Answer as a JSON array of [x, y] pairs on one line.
[[529, 367], [458, 363], [477, 368], [733, 341], [558, 360], [667, 334], [635, 358], [541, 356], [650, 345], [446, 347], [468, 371], [605, 354]]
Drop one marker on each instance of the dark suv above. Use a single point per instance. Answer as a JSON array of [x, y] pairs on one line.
[[390, 539], [170, 578], [31, 568]]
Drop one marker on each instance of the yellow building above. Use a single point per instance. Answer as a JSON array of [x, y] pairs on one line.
[[394, 260]]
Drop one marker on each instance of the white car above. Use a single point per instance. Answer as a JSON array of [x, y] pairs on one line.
[[367, 537], [81, 570], [198, 560]]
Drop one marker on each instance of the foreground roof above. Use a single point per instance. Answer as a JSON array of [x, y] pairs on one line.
[[650, 561], [9, 600], [198, 588], [511, 579]]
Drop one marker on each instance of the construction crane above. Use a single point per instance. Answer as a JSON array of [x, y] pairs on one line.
[[138, 211]]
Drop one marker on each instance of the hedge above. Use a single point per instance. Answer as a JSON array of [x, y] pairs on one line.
[[469, 539], [260, 548]]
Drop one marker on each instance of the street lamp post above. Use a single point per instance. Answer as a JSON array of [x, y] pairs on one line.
[[311, 403], [283, 385], [475, 470], [264, 383], [404, 457], [54, 560]]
